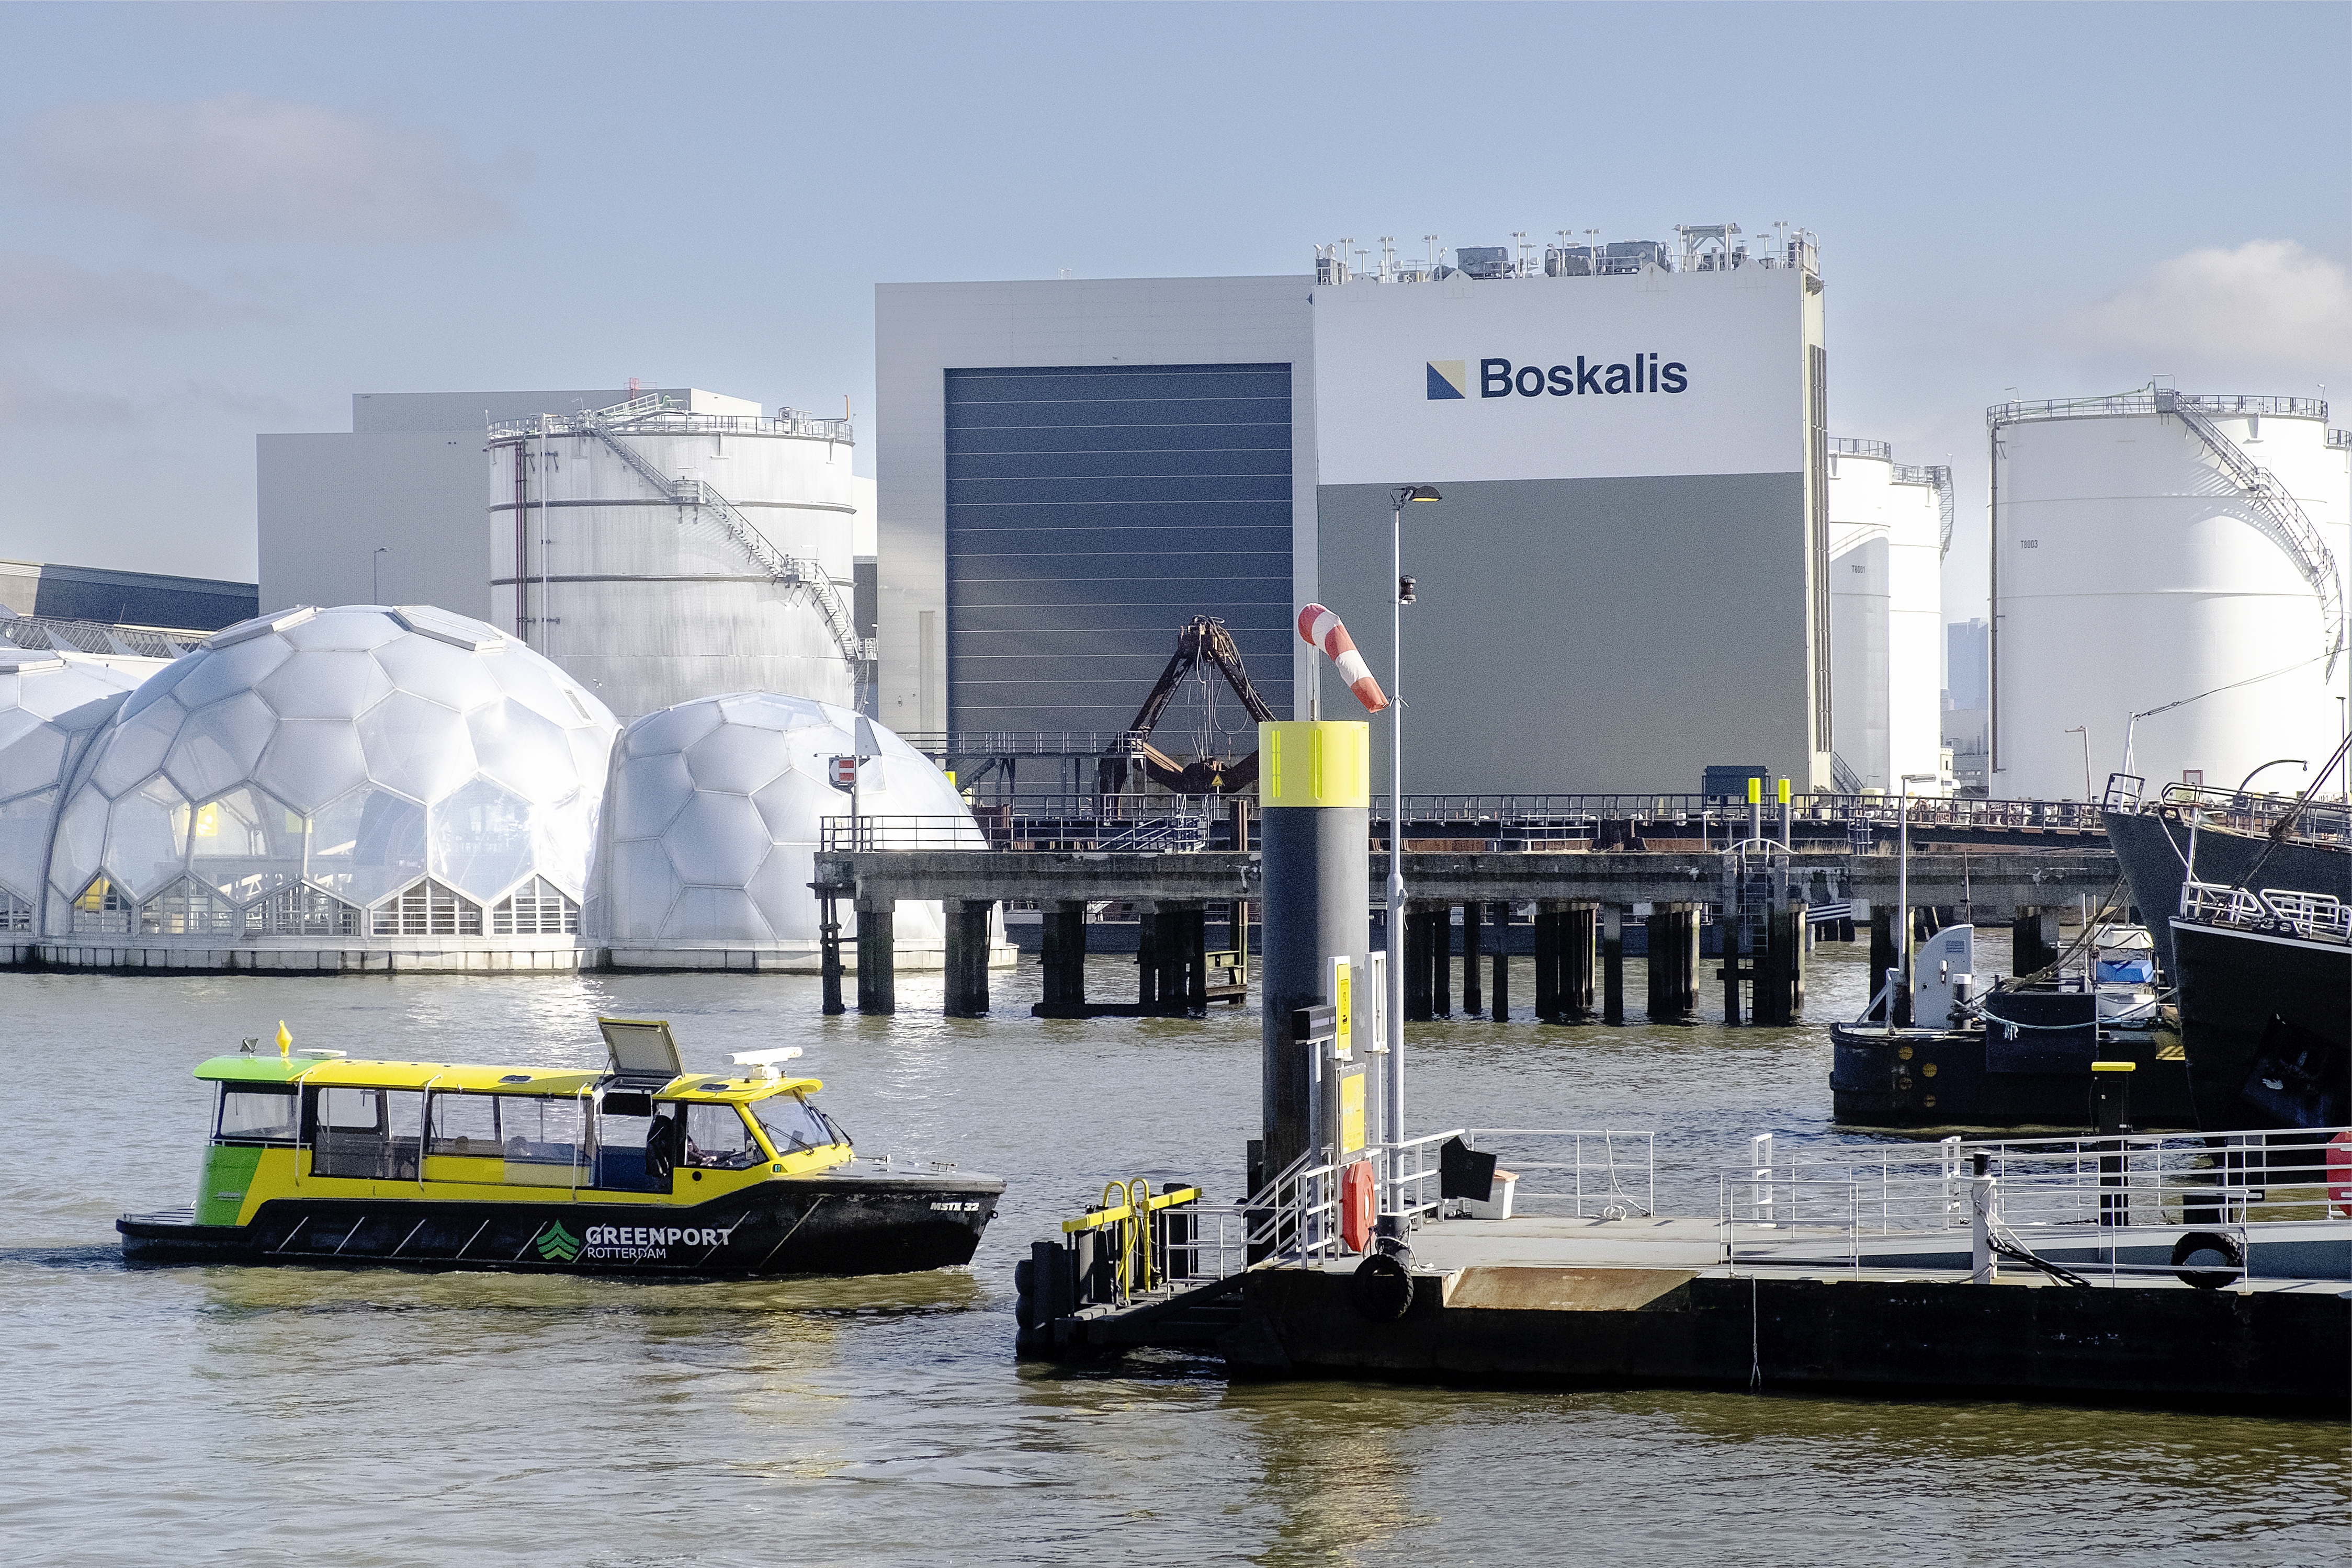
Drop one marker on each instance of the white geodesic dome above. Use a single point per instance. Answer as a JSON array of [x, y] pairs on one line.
[[50, 706], [352, 774], [716, 808]]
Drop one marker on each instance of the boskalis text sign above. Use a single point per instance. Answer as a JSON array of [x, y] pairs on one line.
[[1500, 377], [1572, 378]]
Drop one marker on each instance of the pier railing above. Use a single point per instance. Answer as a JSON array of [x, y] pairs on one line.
[[2126, 1199]]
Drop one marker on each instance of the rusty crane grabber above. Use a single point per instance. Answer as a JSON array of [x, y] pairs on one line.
[[1202, 638]]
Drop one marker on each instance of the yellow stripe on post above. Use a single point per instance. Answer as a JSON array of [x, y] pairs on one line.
[[2115, 1067], [1325, 763], [1754, 791]]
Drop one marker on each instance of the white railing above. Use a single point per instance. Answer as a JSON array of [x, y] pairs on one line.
[[2114, 1195], [2318, 916], [1580, 1172]]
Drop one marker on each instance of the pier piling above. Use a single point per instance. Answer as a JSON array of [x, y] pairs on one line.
[[828, 935], [1674, 963], [1884, 954], [877, 987], [967, 922], [1473, 919], [1416, 962], [1579, 923], [1441, 960], [1548, 960], [1502, 970], [1064, 957], [2033, 939], [1613, 963]]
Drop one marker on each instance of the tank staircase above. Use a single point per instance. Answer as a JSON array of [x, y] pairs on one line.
[[2277, 515], [787, 571]]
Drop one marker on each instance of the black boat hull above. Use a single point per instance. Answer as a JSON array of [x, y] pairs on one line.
[[2265, 1015], [860, 1223], [2153, 847], [1942, 1078]]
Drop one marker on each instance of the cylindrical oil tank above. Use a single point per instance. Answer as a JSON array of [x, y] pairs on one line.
[[2168, 556], [660, 556], [1885, 616]]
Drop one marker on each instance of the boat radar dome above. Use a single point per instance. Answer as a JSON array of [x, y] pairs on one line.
[[766, 1060]]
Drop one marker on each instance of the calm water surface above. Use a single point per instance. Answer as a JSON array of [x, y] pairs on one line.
[[293, 1415]]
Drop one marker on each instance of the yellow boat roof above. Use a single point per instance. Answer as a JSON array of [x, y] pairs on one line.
[[739, 1085]]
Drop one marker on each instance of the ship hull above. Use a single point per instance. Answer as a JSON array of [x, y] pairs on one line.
[[852, 1221], [2266, 1017], [1959, 1078]]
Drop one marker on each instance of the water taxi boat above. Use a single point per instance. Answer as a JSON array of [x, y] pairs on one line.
[[638, 1168]]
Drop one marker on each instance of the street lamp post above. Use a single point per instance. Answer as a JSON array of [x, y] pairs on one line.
[[1392, 1110], [375, 580], [1902, 894]]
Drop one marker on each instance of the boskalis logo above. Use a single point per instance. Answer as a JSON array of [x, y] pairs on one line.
[[556, 1244], [1643, 372]]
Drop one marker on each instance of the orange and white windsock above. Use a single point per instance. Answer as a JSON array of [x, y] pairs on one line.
[[1321, 628]]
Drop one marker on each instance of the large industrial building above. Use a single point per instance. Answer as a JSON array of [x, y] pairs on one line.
[[658, 544], [2169, 591], [1890, 526], [1626, 583]]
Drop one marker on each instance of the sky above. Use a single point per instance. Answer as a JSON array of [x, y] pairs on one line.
[[218, 220]]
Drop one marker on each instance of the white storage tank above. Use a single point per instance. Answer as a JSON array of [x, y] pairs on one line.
[[2175, 556], [659, 556], [1886, 542]]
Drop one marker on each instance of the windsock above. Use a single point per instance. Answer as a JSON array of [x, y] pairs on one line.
[[1321, 628]]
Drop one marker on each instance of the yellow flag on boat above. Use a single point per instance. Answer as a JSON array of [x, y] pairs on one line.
[[285, 1039]]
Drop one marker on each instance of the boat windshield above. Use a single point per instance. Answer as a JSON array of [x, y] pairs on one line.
[[257, 1115], [716, 1139], [793, 1124]]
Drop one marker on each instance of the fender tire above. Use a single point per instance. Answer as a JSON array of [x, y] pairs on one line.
[[2213, 1247], [1380, 1289]]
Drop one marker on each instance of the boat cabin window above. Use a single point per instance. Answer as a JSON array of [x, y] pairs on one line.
[[465, 1125], [624, 1121], [366, 1133], [541, 1130], [793, 1124], [718, 1139], [257, 1115]]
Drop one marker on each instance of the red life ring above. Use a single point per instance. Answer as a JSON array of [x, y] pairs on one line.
[[1358, 1205]]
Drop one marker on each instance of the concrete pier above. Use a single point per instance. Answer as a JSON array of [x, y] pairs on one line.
[[1511, 1303]]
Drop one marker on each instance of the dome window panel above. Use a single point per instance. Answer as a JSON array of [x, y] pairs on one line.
[[537, 908], [103, 909], [339, 684], [15, 915], [24, 824], [309, 764], [80, 842], [453, 678], [300, 912], [216, 674], [524, 750], [367, 843], [427, 909], [188, 908], [147, 838], [480, 840], [218, 744], [246, 843], [416, 746]]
